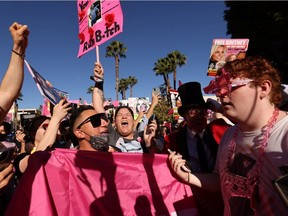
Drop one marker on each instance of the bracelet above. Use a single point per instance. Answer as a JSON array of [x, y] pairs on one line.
[[17, 53], [96, 78], [188, 178]]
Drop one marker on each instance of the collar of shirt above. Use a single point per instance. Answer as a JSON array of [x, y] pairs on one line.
[[192, 134]]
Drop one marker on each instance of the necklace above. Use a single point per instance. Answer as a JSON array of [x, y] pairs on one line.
[[240, 186]]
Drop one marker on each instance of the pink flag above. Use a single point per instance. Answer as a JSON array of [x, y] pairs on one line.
[[46, 107], [98, 22], [71, 182]]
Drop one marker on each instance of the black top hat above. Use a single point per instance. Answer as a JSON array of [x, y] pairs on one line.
[[191, 97]]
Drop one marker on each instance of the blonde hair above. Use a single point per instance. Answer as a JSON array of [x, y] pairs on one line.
[[214, 49]]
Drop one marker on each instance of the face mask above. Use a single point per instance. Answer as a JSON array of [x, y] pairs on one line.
[[100, 142]]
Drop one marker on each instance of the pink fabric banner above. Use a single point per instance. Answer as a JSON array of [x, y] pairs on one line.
[[71, 182], [98, 21]]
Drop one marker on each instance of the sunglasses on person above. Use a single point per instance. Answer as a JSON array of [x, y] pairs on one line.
[[194, 112], [95, 120], [223, 85]]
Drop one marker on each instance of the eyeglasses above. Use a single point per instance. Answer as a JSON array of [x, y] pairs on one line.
[[221, 88], [194, 112], [233, 85], [95, 120], [224, 84]]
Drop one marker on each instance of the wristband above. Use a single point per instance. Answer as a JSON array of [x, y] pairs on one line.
[[17, 53], [96, 78], [99, 85]]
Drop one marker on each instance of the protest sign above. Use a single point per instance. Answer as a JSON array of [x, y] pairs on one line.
[[98, 22], [224, 50]]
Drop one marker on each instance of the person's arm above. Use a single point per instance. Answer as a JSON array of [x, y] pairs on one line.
[[98, 93], [60, 111], [207, 181], [149, 113], [5, 176], [13, 78], [149, 136], [139, 117], [155, 101], [21, 138]]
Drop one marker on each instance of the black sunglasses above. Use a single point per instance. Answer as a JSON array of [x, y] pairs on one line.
[[94, 119]]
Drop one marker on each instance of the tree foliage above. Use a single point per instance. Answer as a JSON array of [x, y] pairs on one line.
[[165, 66], [131, 82], [123, 86], [176, 59], [90, 90], [265, 23], [117, 50], [161, 111]]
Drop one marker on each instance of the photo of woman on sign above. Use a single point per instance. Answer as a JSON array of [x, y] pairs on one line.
[[217, 55], [95, 13]]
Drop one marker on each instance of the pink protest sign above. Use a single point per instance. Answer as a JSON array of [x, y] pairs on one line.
[[99, 21], [224, 50]]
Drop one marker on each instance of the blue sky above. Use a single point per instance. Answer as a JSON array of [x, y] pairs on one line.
[[151, 31]]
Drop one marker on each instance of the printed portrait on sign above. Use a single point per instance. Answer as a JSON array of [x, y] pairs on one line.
[[142, 104], [94, 13]]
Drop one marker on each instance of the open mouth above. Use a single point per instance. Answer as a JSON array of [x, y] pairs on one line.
[[124, 123]]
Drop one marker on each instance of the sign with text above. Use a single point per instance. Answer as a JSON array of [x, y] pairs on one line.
[[224, 50], [99, 21]]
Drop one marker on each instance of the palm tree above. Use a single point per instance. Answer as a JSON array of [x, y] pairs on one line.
[[176, 59], [163, 67], [132, 81], [90, 90], [117, 50], [123, 86], [20, 97]]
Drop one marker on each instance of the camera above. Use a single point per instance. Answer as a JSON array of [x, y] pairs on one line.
[[74, 107]]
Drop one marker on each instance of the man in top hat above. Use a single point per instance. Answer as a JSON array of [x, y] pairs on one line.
[[196, 141]]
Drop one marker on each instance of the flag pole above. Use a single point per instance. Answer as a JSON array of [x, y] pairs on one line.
[[97, 53]]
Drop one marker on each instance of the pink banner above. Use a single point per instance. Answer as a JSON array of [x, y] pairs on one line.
[[71, 182], [99, 21]]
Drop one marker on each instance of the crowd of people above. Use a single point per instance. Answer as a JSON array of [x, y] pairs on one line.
[[232, 166]]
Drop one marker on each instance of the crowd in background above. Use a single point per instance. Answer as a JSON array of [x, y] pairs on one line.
[[210, 156]]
